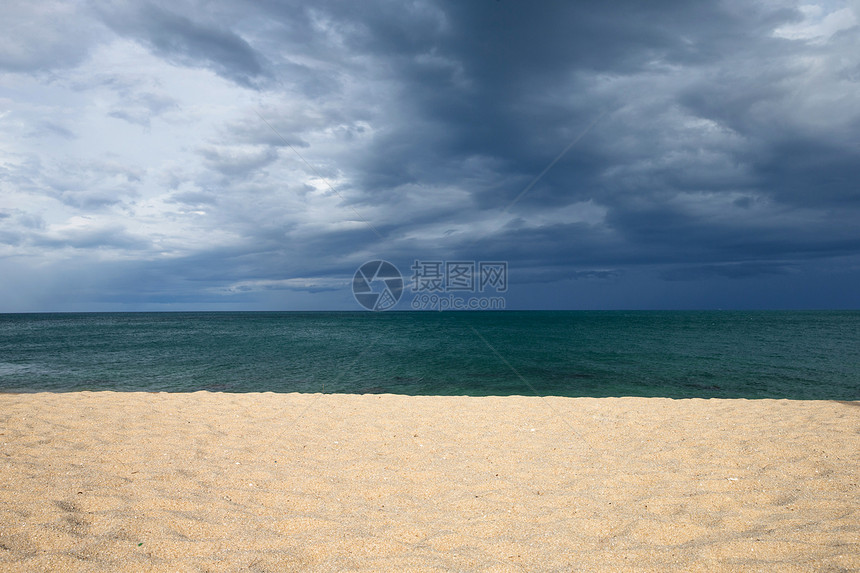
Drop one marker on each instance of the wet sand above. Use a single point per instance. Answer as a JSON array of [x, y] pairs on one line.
[[312, 482]]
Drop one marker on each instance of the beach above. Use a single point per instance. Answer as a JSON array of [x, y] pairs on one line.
[[93, 481]]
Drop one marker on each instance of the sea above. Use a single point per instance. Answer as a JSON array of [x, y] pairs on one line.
[[803, 355]]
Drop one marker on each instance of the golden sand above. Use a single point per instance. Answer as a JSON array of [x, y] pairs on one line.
[[313, 482]]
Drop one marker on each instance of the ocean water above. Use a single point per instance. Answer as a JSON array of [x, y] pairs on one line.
[[708, 354]]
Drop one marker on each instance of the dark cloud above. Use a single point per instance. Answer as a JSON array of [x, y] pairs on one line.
[[629, 150], [518, 77], [696, 139], [813, 172], [729, 270]]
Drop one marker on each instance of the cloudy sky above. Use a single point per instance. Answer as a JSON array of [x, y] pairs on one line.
[[224, 155]]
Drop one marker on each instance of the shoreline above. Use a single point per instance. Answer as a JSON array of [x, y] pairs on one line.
[[208, 481]]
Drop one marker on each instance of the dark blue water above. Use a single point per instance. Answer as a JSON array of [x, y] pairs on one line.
[[797, 355]]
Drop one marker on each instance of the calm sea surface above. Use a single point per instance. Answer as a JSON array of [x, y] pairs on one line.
[[798, 355]]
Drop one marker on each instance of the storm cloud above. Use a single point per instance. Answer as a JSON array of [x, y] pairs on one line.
[[225, 155]]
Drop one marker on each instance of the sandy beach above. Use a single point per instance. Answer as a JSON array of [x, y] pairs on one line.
[[313, 482]]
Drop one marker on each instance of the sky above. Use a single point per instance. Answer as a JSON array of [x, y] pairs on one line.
[[220, 155]]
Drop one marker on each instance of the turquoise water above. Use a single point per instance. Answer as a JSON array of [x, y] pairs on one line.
[[797, 355]]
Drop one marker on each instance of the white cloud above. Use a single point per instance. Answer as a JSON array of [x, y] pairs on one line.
[[819, 23]]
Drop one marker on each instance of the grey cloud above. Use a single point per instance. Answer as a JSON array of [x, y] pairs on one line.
[[91, 185], [813, 172], [180, 39], [21, 220], [720, 152], [83, 184], [729, 270], [51, 128], [489, 94], [194, 198], [44, 36], [276, 127], [550, 275], [236, 162], [99, 237], [140, 108]]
